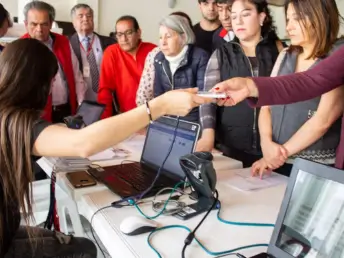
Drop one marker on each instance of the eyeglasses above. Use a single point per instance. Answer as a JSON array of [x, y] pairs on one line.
[[127, 33]]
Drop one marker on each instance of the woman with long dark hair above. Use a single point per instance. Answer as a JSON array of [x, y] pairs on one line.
[[24, 88]]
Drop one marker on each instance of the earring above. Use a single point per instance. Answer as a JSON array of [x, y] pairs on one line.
[[261, 24]]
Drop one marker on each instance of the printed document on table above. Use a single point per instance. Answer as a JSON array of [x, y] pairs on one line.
[[242, 180]]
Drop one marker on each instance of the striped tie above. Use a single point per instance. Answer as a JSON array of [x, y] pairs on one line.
[[93, 65]]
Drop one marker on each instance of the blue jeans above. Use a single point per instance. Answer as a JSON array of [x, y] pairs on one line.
[[44, 243]]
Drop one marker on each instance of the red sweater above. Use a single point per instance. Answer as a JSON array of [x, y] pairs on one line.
[[121, 73], [324, 77], [62, 51]]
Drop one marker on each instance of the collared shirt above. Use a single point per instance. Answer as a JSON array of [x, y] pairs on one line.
[[120, 75], [98, 53], [59, 88]]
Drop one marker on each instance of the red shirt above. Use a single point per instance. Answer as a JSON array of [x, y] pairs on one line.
[[121, 73], [324, 77]]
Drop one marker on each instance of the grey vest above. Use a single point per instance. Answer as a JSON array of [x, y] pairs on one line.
[[288, 119]]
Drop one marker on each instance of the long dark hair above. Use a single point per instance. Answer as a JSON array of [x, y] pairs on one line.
[[27, 68], [268, 28]]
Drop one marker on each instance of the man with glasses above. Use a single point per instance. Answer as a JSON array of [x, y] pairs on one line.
[[122, 66], [88, 46]]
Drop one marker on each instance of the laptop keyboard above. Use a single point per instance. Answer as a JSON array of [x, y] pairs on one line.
[[137, 177]]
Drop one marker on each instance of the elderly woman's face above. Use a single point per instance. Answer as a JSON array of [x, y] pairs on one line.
[[171, 42]]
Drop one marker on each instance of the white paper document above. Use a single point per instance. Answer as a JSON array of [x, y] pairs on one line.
[[242, 180]]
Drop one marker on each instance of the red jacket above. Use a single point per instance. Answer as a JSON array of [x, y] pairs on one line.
[[62, 51], [120, 74]]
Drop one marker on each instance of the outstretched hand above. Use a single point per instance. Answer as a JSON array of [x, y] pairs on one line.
[[181, 102], [236, 89]]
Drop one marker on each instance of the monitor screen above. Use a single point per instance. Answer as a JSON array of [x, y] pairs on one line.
[[158, 142], [90, 111], [314, 222]]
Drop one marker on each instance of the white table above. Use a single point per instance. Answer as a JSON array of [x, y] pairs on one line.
[[135, 145], [261, 206]]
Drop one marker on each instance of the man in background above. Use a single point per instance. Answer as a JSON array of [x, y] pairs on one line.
[[88, 47], [68, 87], [122, 67], [224, 33], [205, 29]]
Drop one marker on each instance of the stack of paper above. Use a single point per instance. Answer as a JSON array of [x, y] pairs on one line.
[[66, 164], [242, 180]]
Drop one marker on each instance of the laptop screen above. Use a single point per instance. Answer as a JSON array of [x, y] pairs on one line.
[[158, 141], [313, 225]]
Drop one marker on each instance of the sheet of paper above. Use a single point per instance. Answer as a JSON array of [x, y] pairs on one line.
[[242, 180], [132, 144]]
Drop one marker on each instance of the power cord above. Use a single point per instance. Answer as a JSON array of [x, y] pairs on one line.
[[191, 235], [231, 251], [236, 223], [132, 202]]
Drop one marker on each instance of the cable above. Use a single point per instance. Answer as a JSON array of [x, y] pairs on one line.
[[236, 223], [198, 242], [225, 255], [92, 232], [163, 163], [132, 199], [191, 235], [132, 202]]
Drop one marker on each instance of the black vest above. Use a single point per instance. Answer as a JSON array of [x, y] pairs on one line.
[[237, 126]]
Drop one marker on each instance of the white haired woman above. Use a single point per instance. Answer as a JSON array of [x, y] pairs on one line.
[[179, 64]]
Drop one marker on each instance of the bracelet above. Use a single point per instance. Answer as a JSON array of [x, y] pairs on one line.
[[149, 112]]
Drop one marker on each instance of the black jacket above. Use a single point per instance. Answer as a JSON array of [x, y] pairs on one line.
[[237, 126], [189, 74]]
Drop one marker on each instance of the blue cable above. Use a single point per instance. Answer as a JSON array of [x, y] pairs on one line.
[[198, 242], [236, 223], [132, 202]]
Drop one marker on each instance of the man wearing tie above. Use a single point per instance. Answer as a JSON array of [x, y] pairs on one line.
[[88, 46]]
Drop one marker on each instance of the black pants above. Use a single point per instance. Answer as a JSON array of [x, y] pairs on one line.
[[246, 158], [60, 112], [48, 244]]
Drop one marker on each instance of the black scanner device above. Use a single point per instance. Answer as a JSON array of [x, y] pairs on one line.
[[199, 170]]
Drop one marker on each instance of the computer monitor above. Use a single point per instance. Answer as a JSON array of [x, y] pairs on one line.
[[311, 219], [159, 138]]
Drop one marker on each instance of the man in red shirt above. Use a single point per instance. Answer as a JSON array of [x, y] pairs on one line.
[[122, 67]]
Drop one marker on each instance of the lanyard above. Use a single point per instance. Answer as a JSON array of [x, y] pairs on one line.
[[89, 48]]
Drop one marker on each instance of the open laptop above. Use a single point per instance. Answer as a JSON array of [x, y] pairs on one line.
[[133, 178], [310, 223]]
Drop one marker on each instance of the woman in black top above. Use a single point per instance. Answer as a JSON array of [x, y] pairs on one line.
[[5, 23], [253, 52], [24, 88]]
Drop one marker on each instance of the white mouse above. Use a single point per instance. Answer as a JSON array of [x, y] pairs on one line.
[[136, 225]]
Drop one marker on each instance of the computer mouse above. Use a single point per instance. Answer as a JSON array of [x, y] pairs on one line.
[[136, 225]]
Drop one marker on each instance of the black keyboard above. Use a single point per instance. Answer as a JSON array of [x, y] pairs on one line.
[[137, 177]]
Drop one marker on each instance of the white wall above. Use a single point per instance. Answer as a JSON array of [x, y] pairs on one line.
[[111, 10], [108, 11]]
